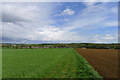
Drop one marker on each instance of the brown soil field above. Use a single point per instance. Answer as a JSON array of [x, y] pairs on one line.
[[104, 61]]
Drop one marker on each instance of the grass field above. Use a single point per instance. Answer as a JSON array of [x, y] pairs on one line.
[[0, 62], [45, 63]]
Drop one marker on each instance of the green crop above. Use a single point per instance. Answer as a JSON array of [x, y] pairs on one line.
[[45, 63]]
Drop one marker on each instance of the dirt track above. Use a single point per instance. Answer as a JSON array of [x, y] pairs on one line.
[[105, 61]]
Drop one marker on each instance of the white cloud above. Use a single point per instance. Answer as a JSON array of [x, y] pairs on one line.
[[27, 12], [67, 11], [23, 22], [114, 10], [111, 24], [46, 33], [20, 19], [106, 38], [60, 0], [92, 17], [66, 19], [89, 4], [53, 33], [33, 22], [14, 13]]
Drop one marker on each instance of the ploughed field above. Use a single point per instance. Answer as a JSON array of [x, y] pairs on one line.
[[105, 61], [45, 63]]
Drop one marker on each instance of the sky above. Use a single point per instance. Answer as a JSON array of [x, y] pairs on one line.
[[59, 22]]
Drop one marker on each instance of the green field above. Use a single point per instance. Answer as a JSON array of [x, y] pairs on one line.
[[45, 63]]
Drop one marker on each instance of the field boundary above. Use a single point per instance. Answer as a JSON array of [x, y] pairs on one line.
[[90, 66]]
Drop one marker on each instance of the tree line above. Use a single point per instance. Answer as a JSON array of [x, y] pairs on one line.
[[71, 45]]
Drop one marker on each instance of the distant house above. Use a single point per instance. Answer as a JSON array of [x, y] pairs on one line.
[[84, 48], [35, 47], [24, 47], [14, 45]]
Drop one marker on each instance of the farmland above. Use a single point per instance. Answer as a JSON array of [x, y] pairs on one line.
[[45, 63], [105, 61]]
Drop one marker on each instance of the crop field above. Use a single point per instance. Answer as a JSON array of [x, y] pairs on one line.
[[105, 61], [45, 63]]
